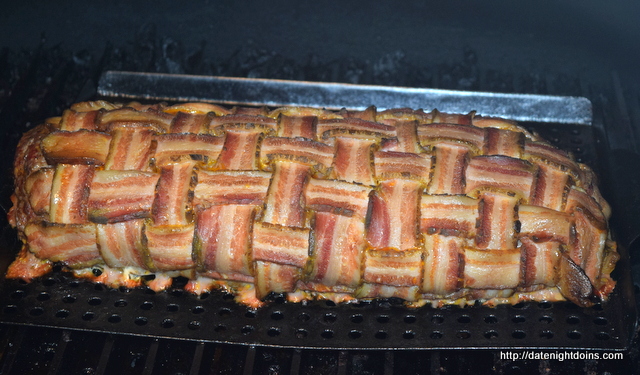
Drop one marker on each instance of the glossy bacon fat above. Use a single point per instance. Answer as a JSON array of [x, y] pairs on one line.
[[428, 207]]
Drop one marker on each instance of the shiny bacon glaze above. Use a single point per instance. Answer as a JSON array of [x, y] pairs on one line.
[[428, 207]]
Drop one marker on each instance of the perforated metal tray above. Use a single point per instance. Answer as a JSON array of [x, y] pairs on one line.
[[58, 300]]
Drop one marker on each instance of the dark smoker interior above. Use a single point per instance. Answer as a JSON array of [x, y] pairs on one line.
[[52, 54]]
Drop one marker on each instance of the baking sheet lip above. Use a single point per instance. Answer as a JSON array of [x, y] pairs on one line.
[[259, 344], [105, 89]]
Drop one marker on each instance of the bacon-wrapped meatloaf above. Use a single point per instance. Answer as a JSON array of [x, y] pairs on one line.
[[343, 205]]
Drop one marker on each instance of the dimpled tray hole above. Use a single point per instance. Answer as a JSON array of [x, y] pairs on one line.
[[62, 313], [301, 333], [224, 312], [36, 311], [491, 334], [464, 319], [330, 317], [463, 334], [140, 321], [408, 335], [410, 319], [519, 319], [304, 317], [546, 319], [436, 335], [327, 334], [194, 325], [146, 305], [120, 303], [43, 296], [490, 319], [247, 329], [357, 318], [88, 316], [49, 281], [602, 336], [518, 334], [546, 334], [573, 320], [355, 334], [277, 315], [437, 319], [173, 307], [115, 318], [167, 323], [220, 328], [94, 301], [382, 319], [273, 332], [250, 314], [69, 299], [545, 305], [197, 310], [601, 321], [18, 294], [381, 335], [574, 335]]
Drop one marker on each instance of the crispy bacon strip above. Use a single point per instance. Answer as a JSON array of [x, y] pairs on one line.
[[239, 151], [245, 121], [443, 264], [338, 197], [540, 262], [198, 108], [394, 215], [120, 244], [353, 128], [498, 172], [470, 136], [546, 153], [497, 216], [284, 204], [130, 117], [231, 187], [62, 147], [282, 245], [74, 245], [275, 278], [543, 224], [588, 249], [172, 203], [392, 267], [202, 147], [504, 142], [551, 187], [393, 164], [406, 139], [73, 121], [297, 126], [38, 187], [121, 195], [191, 123], [223, 241], [491, 269], [304, 151], [353, 161], [448, 171], [448, 215], [130, 149], [170, 247], [70, 192], [337, 250]]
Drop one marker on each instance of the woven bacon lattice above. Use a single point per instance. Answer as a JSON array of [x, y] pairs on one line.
[[347, 204]]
